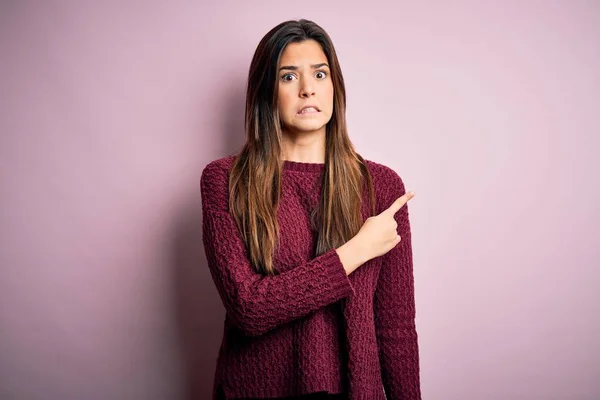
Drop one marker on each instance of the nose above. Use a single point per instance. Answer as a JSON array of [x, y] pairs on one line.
[[306, 88]]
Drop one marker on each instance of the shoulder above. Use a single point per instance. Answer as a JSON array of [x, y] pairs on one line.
[[214, 183], [387, 183], [217, 169]]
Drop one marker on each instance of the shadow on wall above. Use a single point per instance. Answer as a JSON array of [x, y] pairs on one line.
[[199, 312]]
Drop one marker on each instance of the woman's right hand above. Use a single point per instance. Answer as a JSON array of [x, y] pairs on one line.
[[378, 235]]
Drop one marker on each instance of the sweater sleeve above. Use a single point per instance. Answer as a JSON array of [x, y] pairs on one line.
[[257, 303], [394, 308]]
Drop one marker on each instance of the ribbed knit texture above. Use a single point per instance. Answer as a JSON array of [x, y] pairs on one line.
[[311, 328]]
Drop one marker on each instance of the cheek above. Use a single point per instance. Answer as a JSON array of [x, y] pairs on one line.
[[329, 96], [284, 102]]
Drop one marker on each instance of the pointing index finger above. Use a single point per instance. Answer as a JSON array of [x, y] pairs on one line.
[[400, 202]]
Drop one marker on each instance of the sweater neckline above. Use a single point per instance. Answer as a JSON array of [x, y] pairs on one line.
[[303, 166]]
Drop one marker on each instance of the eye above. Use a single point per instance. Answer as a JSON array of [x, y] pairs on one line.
[[323, 74], [286, 76]]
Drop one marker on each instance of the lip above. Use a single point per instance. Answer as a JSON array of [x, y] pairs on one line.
[[309, 113]]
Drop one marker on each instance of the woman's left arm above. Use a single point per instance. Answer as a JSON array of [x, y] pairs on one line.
[[394, 308]]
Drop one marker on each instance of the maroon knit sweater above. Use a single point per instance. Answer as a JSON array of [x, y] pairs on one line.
[[311, 327]]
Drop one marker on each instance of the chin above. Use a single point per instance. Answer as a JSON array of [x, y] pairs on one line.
[[309, 125], [308, 128]]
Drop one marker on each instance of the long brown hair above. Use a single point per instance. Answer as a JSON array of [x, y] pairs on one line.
[[255, 178]]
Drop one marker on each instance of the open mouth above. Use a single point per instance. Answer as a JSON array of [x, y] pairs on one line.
[[309, 110]]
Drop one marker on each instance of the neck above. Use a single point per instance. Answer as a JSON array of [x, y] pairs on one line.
[[304, 147]]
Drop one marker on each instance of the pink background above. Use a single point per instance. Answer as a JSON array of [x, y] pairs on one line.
[[109, 112]]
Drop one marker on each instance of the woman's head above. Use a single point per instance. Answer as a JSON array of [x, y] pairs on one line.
[[305, 88], [295, 65]]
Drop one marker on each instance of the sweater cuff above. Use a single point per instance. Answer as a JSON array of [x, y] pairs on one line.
[[338, 280]]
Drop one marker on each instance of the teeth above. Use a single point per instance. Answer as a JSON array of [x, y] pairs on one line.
[[309, 109]]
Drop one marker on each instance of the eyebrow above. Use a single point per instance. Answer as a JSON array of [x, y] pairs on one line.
[[295, 68]]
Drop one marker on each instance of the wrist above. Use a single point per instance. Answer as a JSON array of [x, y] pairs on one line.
[[352, 254], [360, 249]]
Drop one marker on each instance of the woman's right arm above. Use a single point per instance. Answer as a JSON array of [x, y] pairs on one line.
[[257, 303]]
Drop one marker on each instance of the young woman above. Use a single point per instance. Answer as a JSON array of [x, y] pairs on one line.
[[308, 243]]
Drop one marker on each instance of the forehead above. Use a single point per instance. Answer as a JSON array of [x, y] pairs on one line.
[[306, 52]]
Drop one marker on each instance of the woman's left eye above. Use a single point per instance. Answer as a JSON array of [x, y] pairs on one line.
[[322, 73]]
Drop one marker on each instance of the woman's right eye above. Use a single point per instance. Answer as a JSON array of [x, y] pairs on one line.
[[284, 77]]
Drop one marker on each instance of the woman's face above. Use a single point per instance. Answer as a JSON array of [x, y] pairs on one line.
[[304, 80]]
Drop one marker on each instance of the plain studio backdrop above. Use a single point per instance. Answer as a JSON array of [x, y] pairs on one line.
[[109, 111]]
